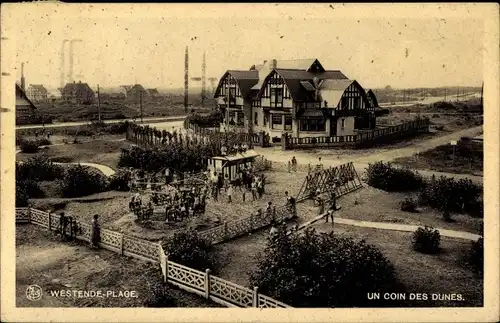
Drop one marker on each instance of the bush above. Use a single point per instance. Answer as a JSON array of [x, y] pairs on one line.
[[21, 195], [38, 168], [409, 205], [188, 249], [476, 255], [213, 119], [44, 142], [453, 196], [389, 178], [29, 146], [159, 296], [426, 240], [82, 181], [322, 270], [31, 188], [119, 181]]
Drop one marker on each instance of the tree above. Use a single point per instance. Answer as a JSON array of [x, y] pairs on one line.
[[323, 270]]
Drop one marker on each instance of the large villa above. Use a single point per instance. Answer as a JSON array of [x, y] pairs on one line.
[[298, 97]]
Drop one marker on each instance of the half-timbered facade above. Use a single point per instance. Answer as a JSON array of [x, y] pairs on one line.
[[298, 97], [234, 98]]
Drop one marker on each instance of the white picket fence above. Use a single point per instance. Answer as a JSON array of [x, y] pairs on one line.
[[194, 281]]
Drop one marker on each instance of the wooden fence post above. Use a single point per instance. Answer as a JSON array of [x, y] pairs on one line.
[[274, 213], [29, 213], [255, 298], [166, 268], [49, 216], [225, 229], [207, 283], [121, 244]]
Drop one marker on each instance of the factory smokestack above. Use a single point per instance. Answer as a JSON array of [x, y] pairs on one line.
[[71, 58], [63, 75], [22, 77], [186, 79], [203, 80]]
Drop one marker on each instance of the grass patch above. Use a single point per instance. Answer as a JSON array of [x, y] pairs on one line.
[[468, 159]]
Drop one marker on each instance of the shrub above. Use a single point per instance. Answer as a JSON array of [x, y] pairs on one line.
[[409, 205], [159, 296], [322, 270], [44, 142], [426, 240], [29, 146], [81, 181], [21, 195], [386, 177], [119, 181], [38, 168], [213, 119], [476, 255], [31, 188], [188, 249], [453, 196]]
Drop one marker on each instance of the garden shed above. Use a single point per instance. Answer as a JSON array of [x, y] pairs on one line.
[[230, 164]]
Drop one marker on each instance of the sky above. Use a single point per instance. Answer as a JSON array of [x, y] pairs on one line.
[[130, 44]]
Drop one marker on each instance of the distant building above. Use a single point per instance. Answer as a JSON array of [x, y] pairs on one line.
[[153, 93], [37, 93], [25, 109], [134, 92], [298, 97], [79, 93]]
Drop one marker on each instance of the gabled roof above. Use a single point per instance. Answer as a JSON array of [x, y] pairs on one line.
[[77, 88], [38, 87], [245, 79], [332, 90], [372, 97], [293, 79], [137, 87], [22, 100], [296, 64]]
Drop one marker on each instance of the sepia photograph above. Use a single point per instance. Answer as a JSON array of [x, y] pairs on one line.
[[266, 156]]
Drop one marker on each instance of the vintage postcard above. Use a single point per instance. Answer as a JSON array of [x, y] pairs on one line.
[[293, 162]]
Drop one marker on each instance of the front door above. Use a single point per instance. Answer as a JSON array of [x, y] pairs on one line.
[[333, 126]]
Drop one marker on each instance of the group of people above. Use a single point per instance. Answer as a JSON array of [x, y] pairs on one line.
[[181, 204], [246, 180], [292, 165]]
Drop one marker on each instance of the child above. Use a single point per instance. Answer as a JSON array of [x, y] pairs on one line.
[[229, 193]]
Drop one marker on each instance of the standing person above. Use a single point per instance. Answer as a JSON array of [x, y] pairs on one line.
[[269, 209], [294, 164], [167, 175], [96, 232], [289, 166], [254, 189], [220, 183], [321, 205], [229, 193], [319, 166]]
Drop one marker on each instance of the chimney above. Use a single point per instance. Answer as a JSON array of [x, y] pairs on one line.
[[22, 77], [274, 63]]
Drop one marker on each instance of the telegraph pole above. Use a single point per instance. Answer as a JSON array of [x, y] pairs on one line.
[[140, 102], [98, 104]]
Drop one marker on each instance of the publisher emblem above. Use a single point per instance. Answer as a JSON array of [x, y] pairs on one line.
[[34, 292]]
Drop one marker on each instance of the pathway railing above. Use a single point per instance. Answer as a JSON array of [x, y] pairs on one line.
[[201, 283]]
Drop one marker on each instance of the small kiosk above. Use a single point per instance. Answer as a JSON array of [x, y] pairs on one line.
[[231, 163]]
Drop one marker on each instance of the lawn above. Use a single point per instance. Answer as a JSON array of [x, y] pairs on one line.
[[420, 273], [43, 260], [101, 151], [467, 159]]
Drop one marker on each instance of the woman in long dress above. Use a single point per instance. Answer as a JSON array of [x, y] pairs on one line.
[[96, 232]]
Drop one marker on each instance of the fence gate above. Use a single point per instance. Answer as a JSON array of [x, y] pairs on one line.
[[344, 178]]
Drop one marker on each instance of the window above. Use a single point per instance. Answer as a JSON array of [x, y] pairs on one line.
[[357, 103], [312, 124], [232, 93], [256, 119], [276, 121], [276, 97], [288, 122], [345, 103], [342, 123], [241, 118]]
